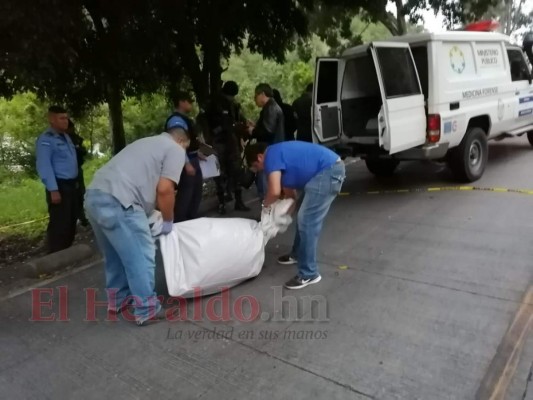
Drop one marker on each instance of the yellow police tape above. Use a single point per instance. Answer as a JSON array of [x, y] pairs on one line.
[[22, 223], [373, 192], [442, 189]]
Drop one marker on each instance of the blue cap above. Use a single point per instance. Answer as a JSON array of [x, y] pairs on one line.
[[177, 122]]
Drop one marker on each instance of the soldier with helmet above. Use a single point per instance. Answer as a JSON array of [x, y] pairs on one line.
[[225, 122]]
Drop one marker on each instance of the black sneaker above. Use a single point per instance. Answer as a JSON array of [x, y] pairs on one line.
[[299, 283], [159, 316], [287, 260]]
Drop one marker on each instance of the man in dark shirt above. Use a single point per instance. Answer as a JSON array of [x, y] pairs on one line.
[[269, 128], [224, 119], [81, 152], [190, 186], [302, 107], [288, 115]]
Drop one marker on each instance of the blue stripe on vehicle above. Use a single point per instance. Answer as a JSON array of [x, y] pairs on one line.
[[529, 111]]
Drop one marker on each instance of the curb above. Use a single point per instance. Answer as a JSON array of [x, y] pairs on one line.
[[54, 262], [79, 253]]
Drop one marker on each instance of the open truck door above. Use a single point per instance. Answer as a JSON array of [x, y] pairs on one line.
[[402, 119], [326, 112]]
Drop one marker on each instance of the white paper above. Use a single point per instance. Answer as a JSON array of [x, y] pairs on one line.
[[210, 167]]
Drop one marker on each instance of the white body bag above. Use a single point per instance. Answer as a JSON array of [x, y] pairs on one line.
[[206, 255]]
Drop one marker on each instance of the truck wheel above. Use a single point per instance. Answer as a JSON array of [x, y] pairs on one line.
[[530, 137], [381, 167], [468, 161]]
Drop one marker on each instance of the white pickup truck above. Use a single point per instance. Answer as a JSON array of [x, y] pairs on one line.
[[424, 96]]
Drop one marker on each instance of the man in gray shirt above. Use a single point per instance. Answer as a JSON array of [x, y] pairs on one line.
[[123, 193]]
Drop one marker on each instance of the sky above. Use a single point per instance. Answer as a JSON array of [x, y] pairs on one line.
[[436, 23]]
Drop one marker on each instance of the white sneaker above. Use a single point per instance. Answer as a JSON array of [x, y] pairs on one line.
[[287, 260]]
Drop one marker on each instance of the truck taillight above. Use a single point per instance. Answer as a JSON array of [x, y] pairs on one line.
[[433, 132]]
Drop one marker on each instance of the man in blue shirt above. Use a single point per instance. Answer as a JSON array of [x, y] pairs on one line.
[[57, 167], [317, 172]]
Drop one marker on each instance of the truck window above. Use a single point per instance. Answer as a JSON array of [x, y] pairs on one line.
[[327, 82], [420, 55], [519, 68], [398, 72]]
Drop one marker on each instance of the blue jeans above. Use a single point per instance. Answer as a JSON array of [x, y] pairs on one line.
[[315, 201], [262, 184], [126, 242]]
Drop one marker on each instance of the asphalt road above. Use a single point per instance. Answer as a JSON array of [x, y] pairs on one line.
[[424, 296]]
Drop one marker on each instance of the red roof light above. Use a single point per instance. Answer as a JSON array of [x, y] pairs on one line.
[[482, 26]]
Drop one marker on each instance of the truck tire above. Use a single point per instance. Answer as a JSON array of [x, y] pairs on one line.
[[469, 159], [381, 167], [530, 137]]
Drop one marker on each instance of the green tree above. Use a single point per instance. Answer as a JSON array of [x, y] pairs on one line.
[[21, 120], [80, 53]]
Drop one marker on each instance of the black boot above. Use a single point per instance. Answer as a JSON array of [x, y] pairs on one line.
[[239, 204], [221, 208]]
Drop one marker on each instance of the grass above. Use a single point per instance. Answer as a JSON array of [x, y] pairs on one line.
[[23, 210]]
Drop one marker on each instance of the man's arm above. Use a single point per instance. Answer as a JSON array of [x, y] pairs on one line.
[[270, 121], [166, 198], [261, 131], [173, 164], [274, 188], [290, 194], [45, 170]]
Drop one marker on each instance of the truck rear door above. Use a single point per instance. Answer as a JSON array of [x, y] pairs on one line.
[[402, 120], [326, 112]]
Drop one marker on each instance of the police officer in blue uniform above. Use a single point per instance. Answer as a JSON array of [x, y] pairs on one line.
[[57, 167], [190, 187]]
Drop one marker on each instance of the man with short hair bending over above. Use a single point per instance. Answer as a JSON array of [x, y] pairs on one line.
[[123, 194], [319, 174]]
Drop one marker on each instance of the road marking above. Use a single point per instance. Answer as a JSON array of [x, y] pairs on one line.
[[441, 189], [503, 366]]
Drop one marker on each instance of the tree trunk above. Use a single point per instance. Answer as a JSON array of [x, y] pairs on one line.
[[402, 28], [199, 79], [114, 101], [174, 85], [391, 23], [215, 71], [507, 16]]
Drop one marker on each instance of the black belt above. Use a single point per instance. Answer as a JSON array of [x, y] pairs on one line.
[[67, 181]]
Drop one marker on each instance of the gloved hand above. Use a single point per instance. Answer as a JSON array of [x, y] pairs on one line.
[[167, 227]]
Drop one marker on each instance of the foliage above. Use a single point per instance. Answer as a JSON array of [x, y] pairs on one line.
[[21, 120], [23, 200], [250, 69], [85, 52]]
